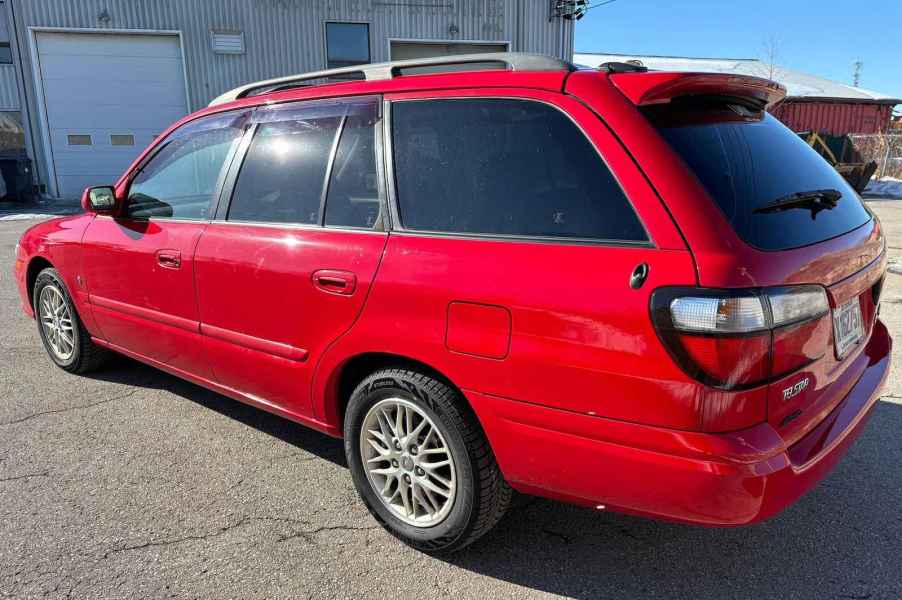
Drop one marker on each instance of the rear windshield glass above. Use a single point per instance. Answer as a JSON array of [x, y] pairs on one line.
[[774, 189]]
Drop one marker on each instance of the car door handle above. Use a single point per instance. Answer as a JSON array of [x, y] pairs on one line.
[[335, 282], [171, 259]]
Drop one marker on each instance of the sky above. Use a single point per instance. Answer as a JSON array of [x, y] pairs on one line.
[[822, 38]]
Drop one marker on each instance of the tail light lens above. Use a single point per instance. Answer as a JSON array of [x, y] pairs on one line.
[[737, 339]]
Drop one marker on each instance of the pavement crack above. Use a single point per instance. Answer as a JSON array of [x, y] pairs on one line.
[[558, 535], [69, 408], [308, 535], [27, 476], [180, 540]]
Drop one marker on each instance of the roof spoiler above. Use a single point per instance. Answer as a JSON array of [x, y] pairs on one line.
[[662, 87]]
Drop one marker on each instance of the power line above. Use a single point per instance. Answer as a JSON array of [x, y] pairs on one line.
[[573, 10], [597, 4]]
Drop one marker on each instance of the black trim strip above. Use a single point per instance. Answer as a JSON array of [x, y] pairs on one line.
[[228, 188]]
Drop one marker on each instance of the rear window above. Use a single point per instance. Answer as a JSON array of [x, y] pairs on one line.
[[749, 163]]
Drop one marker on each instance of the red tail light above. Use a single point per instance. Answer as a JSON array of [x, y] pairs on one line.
[[738, 339]]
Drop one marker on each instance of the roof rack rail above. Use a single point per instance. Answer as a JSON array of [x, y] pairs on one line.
[[622, 67], [513, 61]]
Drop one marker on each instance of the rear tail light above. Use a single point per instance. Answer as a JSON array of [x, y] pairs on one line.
[[737, 339]]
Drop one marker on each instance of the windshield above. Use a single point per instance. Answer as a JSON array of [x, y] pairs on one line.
[[748, 160]]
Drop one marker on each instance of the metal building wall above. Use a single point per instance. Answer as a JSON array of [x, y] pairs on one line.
[[282, 37], [835, 118], [287, 36]]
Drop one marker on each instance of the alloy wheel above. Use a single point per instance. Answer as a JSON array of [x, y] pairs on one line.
[[56, 322], [407, 462]]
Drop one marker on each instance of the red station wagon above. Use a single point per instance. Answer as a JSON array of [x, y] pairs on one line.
[[635, 291]]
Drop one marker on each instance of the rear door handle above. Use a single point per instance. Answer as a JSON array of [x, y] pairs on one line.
[[171, 259], [335, 282]]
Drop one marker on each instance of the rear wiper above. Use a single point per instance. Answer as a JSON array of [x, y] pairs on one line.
[[814, 200]]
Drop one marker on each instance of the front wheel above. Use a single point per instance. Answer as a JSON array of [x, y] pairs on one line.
[[421, 462], [64, 336]]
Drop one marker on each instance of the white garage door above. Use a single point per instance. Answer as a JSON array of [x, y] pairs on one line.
[[106, 97]]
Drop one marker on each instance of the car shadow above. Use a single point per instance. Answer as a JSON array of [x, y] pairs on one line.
[[838, 541], [130, 372]]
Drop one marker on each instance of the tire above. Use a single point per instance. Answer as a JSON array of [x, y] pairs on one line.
[[480, 495], [77, 353]]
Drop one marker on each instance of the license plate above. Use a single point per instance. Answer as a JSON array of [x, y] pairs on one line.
[[847, 326]]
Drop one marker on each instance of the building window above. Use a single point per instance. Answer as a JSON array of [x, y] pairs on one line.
[[117, 139], [79, 140], [6, 54], [347, 44]]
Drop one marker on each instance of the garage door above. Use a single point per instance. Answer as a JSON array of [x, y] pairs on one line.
[[405, 50], [106, 97]]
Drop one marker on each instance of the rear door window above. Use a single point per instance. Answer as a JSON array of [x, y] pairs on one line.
[[310, 163], [353, 198], [282, 177], [750, 164], [504, 167]]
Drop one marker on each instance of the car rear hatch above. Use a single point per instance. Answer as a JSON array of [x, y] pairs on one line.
[[799, 241]]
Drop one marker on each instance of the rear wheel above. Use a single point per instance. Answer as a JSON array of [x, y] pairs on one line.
[[64, 336], [421, 462]]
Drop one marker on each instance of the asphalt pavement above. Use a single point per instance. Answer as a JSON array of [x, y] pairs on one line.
[[130, 483]]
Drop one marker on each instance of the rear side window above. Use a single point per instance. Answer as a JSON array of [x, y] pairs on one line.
[[751, 164], [504, 167]]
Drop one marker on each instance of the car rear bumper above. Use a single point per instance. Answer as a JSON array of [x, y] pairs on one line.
[[713, 479]]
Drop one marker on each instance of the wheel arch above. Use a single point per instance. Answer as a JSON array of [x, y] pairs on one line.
[[35, 265], [347, 375]]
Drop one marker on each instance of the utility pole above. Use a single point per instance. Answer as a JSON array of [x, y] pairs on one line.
[[856, 74]]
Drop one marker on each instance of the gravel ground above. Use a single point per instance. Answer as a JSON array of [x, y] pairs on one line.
[[131, 483]]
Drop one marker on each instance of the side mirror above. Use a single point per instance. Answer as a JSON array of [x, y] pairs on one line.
[[101, 200]]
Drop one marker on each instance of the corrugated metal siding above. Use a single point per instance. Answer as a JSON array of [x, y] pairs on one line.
[[283, 37], [9, 89], [836, 118]]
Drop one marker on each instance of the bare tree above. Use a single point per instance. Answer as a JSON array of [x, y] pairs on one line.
[[771, 47]]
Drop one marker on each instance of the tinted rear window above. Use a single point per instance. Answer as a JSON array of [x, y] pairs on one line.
[[747, 160]]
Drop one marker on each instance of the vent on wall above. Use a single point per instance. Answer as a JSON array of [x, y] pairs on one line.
[[227, 42]]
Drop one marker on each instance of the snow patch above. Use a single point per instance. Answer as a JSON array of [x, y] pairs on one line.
[[25, 216], [885, 187]]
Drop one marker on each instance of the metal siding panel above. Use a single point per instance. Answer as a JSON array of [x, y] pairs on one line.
[[283, 37], [286, 36]]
